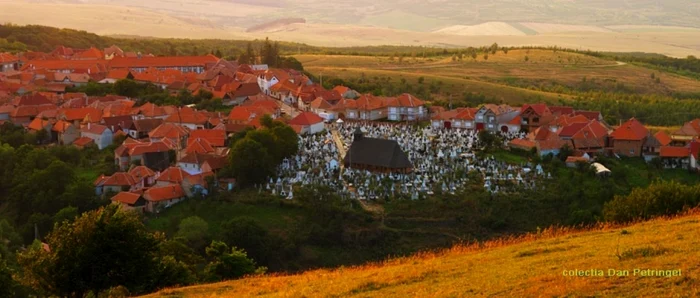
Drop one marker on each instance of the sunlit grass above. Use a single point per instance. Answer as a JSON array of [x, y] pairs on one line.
[[525, 266]]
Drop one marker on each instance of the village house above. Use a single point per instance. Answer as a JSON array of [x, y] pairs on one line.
[[406, 107], [688, 132], [214, 164], [195, 185], [175, 134], [629, 138], [457, 118], [367, 107], [535, 115], [308, 123], [162, 197], [323, 108], [149, 110], [154, 155], [130, 201], [118, 182], [192, 120], [82, 143], [494, 118], [143, 176], [118, 123], [592, 138], [240, 94], [171, 175], [8, 62], [39, 124], [675, 157], [185, 64], [140, 128], [100, 134], [64, 133], [215, 137], [192, 163]]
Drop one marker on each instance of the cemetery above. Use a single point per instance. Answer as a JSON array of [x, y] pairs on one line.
[[418, 162]]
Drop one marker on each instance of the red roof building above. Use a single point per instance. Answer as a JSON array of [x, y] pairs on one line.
[[629, 138]]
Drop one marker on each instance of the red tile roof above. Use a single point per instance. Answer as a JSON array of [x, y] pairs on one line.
[[405, 100], [320, 103], [306, 119], [151, 147], [141, 172], [571, 129], [663, 138], [38, 124], [61, 126], [691, 128], [215, 137], [124, 197], [173, 175], [35, 99], [92, 115], [522, 144], [7, 57], [119, 179], [632, 130], [94, 129], [370, 102], [539, 109], [82, 142], [187, 118], [169, 130], [197, 145], [164, 193], [171, 61], [674, 152]]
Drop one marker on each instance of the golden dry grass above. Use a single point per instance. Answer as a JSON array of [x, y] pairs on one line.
[[528, 266]]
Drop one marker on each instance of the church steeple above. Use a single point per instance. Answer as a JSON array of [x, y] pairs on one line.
[[358, 134]]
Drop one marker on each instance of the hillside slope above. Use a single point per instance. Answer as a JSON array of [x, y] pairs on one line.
[[530, 266]]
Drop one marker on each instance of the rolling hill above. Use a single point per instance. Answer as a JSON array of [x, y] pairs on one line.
[[617, 260], [666, 27]]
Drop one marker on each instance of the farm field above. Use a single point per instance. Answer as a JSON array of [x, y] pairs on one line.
[[533, 265], [508, 77]]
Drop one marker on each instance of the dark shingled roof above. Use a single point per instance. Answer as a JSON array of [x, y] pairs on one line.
[[376, 152]]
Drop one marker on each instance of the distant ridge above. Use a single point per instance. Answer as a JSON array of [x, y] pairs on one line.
[[275, 24]]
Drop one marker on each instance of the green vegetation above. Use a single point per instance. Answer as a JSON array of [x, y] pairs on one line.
[[655, 200], [255, 156]]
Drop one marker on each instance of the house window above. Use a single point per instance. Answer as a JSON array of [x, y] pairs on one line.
[[632, 152], [480, 117], [535, 120]]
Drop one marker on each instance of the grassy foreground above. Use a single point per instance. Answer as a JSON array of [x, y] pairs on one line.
[[528, 266]]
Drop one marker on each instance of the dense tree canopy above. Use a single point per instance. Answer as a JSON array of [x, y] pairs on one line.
[[100, 250]]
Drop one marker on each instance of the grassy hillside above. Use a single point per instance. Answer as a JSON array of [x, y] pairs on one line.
[[533, 265]]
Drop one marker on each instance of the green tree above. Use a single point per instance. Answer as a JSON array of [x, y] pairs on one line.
[[195, 231], [247, 234], [66, 214], [486, 56], [659, 198], [250, 162], [488, 140], [7, 283], [227, 263], [99, 250]]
